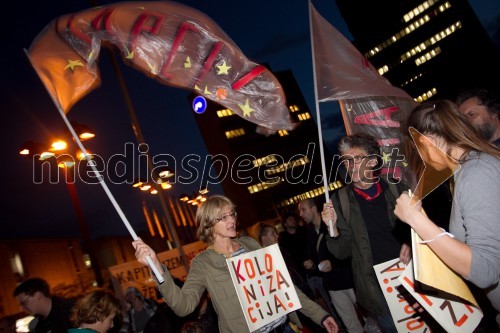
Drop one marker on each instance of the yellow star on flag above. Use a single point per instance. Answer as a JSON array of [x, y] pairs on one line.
[[386, 158], [223, 69], [206, 92], [129, 55], [187, 64], [72, 64], [197, 88], [247, 110]]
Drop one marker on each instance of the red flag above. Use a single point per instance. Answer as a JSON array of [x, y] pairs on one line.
[[172, 43], [369, 103]]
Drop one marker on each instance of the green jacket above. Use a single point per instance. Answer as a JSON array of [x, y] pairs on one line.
[[209, 272], [353, 242]]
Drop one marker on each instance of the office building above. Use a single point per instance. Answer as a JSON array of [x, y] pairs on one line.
[[430, 48]]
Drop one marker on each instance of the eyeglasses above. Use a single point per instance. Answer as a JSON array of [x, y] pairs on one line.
[[24, 301], [351, 160], [226, 217]]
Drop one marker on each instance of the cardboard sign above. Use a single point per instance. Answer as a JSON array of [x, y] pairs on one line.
[[454, 315], [264, 287], [430, 270], [135, 274], [405, 317]]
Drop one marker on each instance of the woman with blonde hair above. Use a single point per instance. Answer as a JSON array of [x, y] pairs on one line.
[[217, 227], [446, 141], [95, 312]]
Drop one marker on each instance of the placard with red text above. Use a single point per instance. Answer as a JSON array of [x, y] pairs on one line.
[[263, 285], [405, 317], [454, 315]]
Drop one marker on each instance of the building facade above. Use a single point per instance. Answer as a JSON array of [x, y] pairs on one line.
[[429, 48]]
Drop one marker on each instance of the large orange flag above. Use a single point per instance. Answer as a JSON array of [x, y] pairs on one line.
[[172, 43], [369, 103]]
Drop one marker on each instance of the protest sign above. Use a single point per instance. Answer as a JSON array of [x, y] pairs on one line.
[[264, 287], [433, 272], [405, 317], [451, 312], [135, 274]]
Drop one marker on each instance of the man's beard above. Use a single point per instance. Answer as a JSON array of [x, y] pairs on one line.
[[487, 130]]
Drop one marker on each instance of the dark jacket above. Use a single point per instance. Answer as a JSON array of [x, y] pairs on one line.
[[353, 242], [58, 320]]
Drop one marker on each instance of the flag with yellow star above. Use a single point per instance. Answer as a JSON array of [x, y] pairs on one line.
[[168, 41], [65, 74]]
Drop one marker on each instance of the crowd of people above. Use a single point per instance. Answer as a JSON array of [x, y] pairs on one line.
[[331, 270]]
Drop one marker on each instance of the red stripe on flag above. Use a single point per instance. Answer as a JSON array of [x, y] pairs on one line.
[[256, 71]]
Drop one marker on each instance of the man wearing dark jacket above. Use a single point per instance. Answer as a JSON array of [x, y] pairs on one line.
[[372, 234], [52, 314]]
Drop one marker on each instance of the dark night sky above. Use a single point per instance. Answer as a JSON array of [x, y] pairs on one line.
[[273, 32]]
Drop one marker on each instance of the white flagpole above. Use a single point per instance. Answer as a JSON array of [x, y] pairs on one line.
[[318, 118], [100, 178]]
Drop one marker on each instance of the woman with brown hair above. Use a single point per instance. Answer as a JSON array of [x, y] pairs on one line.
[[95, 312], [446, 140], [217, 227]]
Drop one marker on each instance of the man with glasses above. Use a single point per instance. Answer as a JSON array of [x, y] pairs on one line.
[[368, 232], [52, 314]]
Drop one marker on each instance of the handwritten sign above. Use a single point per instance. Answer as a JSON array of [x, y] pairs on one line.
[[454, 315], [405, 317], [264, 287], [135, 274]]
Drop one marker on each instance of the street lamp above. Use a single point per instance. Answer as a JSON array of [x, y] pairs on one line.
[[65, 156], [162, 178]]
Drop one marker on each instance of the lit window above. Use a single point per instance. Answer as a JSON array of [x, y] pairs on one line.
[[286, 166], [224, 113], [283, 132], [264, 160], [304, 116], [309, 194], [235, 133], [263, 186]]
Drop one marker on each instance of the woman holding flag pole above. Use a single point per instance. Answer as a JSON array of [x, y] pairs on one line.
[[209, 271]]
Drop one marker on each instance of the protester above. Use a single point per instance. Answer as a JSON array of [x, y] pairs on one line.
[[268, 235], [216, 219], [472, 248], [292, 240], [311, 261], [95, 312], [365, 227], [139, 311], [52, 314], [336, 274], [482, 110]]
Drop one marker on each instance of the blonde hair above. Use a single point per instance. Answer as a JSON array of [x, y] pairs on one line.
[[207, 215], [95, 306]]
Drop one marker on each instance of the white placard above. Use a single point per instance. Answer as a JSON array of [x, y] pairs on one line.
[[264, 287], [405, 317]]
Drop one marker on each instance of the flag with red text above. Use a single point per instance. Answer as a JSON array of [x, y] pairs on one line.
[[369, 103], [172, 43]]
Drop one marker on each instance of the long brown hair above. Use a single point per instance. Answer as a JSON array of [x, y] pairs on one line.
[[442, 119]]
